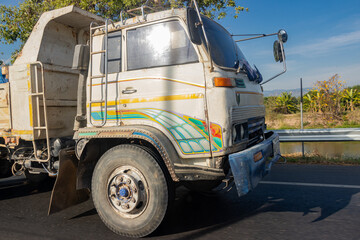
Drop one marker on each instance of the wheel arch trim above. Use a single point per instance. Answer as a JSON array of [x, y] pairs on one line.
[[149, 134]]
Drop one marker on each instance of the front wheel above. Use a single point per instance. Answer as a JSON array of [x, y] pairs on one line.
[[130, 191]]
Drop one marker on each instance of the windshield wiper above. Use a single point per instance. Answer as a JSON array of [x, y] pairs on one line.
[[240, 68]]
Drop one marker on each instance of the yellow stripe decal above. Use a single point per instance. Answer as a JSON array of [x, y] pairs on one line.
[[30, 99], [15, 133], [22, 132], [153, 99], [146, 78]]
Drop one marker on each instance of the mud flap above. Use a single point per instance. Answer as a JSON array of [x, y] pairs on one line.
[[64, 193]]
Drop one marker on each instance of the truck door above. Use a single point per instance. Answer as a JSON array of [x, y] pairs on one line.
[[163, 85]]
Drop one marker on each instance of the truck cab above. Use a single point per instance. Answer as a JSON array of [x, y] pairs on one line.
[[173, 85]]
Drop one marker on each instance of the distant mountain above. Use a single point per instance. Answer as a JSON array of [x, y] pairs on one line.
[[277, 92]]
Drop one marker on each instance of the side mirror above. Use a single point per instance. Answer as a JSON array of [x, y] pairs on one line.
[[282, 35], [81, 57], [194, 26], [278, 50], [279, 53]]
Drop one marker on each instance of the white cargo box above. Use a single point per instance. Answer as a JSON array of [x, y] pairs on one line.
[[43, 70]]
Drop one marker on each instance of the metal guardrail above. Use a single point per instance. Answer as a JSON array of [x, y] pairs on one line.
[[319, 135]]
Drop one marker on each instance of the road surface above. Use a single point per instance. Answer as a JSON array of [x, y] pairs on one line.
[[293, 202]]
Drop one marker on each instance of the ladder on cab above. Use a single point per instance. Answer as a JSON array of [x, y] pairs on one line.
[[39, 114], [104, 94]]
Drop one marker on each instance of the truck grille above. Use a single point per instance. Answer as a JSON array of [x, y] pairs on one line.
[[256, 128], [251, 131], [239, 114]]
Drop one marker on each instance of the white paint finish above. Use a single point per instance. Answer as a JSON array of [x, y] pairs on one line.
[[204, 144], [5, 121], [57, 46], [221, 101], [185, 147], [20, 104], [52, 41], [34, 47]]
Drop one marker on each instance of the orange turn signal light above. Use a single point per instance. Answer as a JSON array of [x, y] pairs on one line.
[[223, 82], [258, 156]]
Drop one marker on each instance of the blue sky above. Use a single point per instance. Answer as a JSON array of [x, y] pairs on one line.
[[324, 39]]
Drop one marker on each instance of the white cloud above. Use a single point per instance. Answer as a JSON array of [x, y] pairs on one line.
[[321, 46], [350, 74], [290, 80]]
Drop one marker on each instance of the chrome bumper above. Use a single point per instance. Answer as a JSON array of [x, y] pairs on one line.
[[250, 166]]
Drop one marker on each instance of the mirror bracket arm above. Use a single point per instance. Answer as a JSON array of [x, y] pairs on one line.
[[203, 30], [284, 66]]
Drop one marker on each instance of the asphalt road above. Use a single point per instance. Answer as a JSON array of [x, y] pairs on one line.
[[293, 202]]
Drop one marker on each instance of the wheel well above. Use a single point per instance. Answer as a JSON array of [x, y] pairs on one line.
[[97, 147]]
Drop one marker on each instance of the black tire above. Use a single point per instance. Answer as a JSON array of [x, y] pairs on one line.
[[112, 174]]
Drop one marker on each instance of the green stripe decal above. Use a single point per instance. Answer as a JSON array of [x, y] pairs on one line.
[[240, 83], [88, 134], [190, 134]]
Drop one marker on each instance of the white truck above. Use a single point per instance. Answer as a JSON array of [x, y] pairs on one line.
[[161, 98]]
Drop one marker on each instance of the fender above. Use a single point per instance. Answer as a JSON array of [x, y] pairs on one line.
[[92, 142]]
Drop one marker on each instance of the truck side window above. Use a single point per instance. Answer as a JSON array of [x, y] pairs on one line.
[[114, 53], [160, 44]]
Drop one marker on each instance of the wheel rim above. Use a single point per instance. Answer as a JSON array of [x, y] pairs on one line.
[[128, 191]]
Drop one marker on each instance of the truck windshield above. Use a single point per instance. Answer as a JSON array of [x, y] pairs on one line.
[[224, 51]]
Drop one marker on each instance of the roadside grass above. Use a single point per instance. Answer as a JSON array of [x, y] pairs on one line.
[[349, 125], [296, 158], [277, 121]]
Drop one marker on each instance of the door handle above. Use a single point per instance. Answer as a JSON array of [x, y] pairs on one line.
[[129, 90]]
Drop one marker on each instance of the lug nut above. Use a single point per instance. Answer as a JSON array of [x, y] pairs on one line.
[[113, 191], [127, 206], [128, 181]]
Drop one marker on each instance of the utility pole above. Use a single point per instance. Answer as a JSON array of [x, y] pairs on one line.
[[301, 115]]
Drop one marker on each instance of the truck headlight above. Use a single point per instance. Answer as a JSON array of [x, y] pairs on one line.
[[234, 134]]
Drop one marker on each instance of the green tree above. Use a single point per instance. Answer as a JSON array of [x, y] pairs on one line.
[[270, 102], [17, 22], [286, 103], [350, 98], [356, 87], [309, 101]]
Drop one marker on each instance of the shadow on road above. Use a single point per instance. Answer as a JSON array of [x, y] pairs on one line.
[[20, 187], [85, 214], [193, 211], [196, 214]]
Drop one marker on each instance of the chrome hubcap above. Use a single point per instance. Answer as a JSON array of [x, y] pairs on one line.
[[128, 191]]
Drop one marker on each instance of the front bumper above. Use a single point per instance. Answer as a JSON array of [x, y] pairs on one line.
[[250, 166]]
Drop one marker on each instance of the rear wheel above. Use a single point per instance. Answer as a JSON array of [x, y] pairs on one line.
[[130, 191]]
